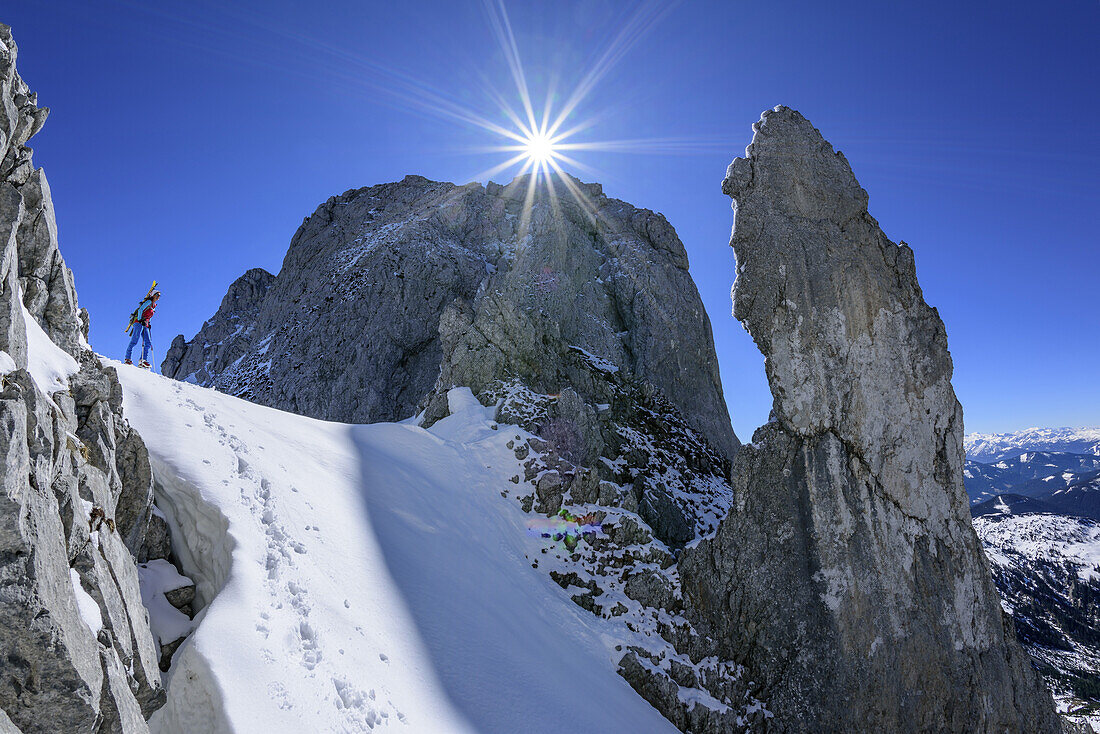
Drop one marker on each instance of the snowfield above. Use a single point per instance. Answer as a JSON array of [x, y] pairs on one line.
[[357, 577], [1017, 539]]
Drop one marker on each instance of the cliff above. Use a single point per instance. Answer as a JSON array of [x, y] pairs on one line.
[[77, 490], [847, 576]]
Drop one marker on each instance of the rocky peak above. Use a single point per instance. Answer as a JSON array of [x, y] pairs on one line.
[[369, 273], [847, 575], [576, 316], [233, 320]]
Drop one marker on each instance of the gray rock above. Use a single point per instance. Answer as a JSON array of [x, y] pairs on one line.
[[182, 597], [75, 486], [381, 283], [651, 589], [847, 575], [157, 541], [658, 687], [548, 489], [228, 332], [167, 651]]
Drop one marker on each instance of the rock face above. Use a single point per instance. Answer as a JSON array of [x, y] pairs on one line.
[[847, 576], [350, 329], [574, 314], [233, 323], [77, 488]]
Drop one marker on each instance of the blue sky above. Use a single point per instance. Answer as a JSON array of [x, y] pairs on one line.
[[187, 141]]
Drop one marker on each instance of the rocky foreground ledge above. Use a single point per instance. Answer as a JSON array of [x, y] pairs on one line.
[[76, 501]]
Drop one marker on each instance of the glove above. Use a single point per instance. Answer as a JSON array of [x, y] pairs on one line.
[[145, 322]]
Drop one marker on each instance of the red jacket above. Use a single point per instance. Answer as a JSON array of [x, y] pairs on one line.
[[148, 313]]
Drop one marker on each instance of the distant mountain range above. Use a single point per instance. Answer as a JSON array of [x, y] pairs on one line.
[[1043, 475], [990, 447]]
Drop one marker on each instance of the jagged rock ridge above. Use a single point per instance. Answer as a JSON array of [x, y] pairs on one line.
[[76, 501], [847, 576]]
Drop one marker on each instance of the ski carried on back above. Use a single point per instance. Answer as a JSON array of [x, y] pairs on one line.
[[136, 315]]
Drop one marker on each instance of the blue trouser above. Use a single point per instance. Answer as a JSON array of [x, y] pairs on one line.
[[142, 331]]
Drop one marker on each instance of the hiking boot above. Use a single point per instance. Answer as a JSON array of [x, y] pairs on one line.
[[144, 365], [127, 361]]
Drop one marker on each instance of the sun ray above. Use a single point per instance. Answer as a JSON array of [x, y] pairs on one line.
[[541, 139], [648, 14], [583, 200], [528, 203], [489, 173], [558, 156], [502, 28]]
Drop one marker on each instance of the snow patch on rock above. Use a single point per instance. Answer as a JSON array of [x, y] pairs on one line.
[[85, 604], [50, 366]]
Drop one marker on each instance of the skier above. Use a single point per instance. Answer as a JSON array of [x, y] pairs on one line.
[[140, 326]]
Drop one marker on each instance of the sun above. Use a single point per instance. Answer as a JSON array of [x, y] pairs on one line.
[[539, 148]]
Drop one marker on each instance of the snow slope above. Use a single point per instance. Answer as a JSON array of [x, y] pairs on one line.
[[50, 365], [354, 577]]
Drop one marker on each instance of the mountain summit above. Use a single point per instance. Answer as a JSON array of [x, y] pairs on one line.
[[562, 524], [356, 324]]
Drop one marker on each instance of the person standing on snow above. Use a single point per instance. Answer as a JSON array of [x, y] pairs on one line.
[[141, 329]]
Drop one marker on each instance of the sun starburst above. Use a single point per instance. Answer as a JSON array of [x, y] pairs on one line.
[[540, 148], [537, 143]]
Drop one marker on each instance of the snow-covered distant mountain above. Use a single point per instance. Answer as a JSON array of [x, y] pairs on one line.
[[991, 447], [1029, 473], [1080, 498], [1047, 570]]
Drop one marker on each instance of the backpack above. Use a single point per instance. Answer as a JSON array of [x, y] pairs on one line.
[[136, 315]]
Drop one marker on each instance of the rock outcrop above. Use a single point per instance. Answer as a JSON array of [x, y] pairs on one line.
[[233, 323], [350, 328], [75, 645], [847, 577], [572, 312]]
